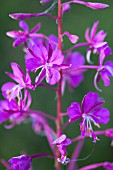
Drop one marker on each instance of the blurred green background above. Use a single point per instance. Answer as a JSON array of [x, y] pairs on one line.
[[22, 138]]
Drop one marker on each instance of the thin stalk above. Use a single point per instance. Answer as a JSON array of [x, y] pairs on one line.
[[93, 166], [48, 87], [42, 155], [84, 67], [40, 113], [84, 44], [59, 93]]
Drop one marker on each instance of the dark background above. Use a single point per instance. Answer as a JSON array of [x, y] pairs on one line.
[[22, 138]]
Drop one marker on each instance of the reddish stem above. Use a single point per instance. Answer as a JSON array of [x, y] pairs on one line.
[[59, 94]]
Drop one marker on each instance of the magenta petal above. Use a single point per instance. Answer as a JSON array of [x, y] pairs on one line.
[[109, 68], [6, 87], [24, 26], [76, 60], [91, 101], [28, 79], [17, 79], [67, 142], [4, 104], [94, 29], [33, 64], [36, 28], [27, 100], [18, 41], [105, 78], [100, 36], [74, 81], [87, 35], [3, 116], [52, 76], [101, 116], [60, 139], [39, 52], [17, 71], [74, 111], [56, 58], [15, 34], [44, 53]]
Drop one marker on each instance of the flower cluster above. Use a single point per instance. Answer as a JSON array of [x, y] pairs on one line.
[[52, 66]]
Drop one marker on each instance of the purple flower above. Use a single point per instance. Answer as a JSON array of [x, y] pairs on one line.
[[74, 78], [61, 143], [96, 42], [11, 90], [49, 61], [91, 111], [14, 110], [104, 71], [22, 36], [22, 162], [108, 166]]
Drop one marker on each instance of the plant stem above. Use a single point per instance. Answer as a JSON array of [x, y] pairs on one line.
[[84, 67], [42, 155], [84, 44], [59, 94], [93, 166]]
